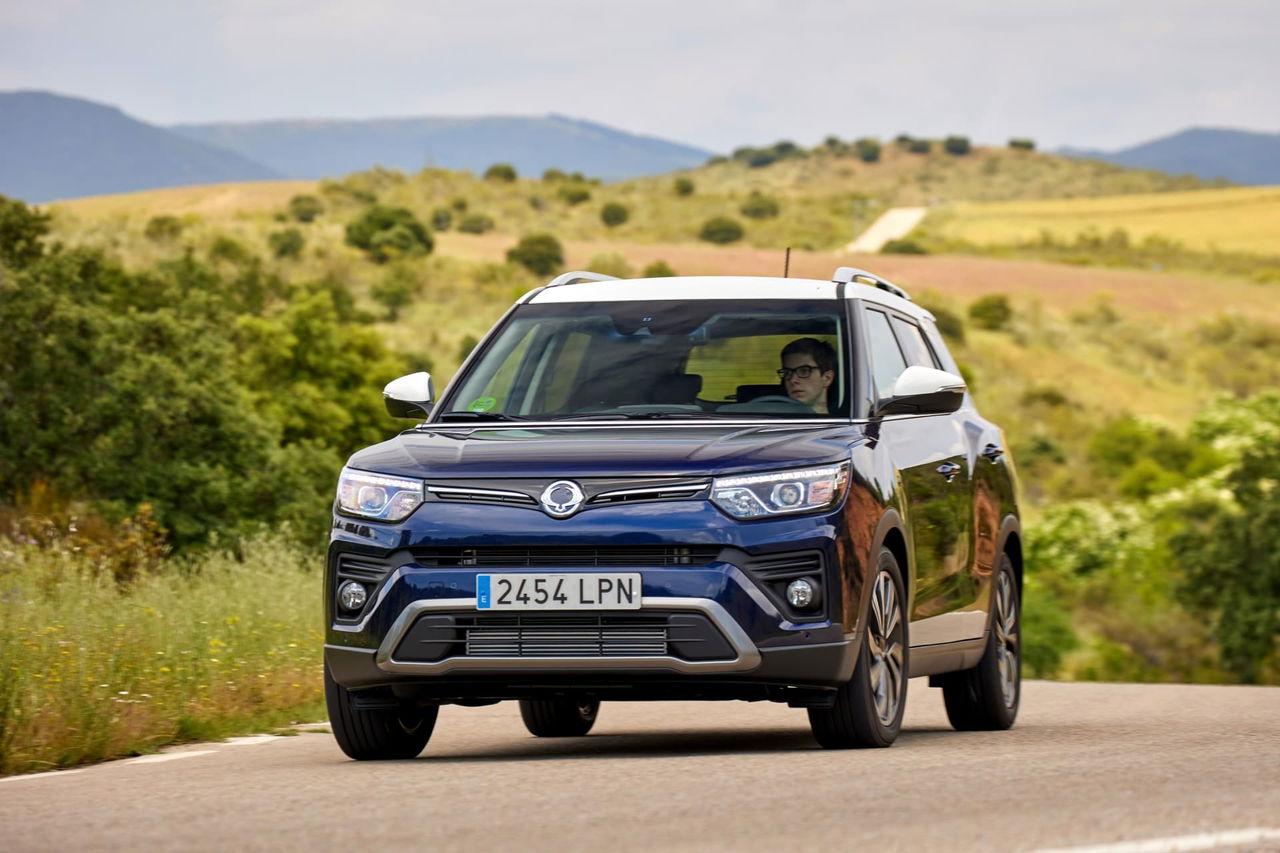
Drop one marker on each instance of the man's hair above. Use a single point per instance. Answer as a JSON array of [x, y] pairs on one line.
[[822, 352]]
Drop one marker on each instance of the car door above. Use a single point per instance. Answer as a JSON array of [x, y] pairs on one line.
[[929, 452]]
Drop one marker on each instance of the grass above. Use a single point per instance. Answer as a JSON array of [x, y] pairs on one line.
[[92, 670]]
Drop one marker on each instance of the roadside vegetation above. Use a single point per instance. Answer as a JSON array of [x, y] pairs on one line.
[[185, 370]]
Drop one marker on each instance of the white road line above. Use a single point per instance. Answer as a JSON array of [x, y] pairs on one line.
[[169, 756], [250, 741], [1179, 843], [44, 775]]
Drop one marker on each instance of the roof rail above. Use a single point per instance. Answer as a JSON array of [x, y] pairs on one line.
[[577, 276], [844, 275]]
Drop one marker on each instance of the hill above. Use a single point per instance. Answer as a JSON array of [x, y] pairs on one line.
[[322, 148], [53, 147], [1242, 156]]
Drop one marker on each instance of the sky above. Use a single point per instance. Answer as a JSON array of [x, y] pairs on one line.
[[1087, 73]]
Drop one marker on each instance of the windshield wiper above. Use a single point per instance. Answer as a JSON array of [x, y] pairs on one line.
[[479, 416]]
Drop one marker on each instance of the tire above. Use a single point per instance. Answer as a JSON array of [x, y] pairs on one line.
[[376, 733], [986, 697], [868, 709], [566, 717]]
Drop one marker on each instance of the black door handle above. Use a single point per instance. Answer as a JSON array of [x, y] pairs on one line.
[[948, 470], [992, 452]]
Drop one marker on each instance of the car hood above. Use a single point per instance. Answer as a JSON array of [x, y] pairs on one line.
[[614, 450]]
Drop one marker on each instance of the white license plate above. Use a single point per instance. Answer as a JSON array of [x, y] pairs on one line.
[[615, 591]]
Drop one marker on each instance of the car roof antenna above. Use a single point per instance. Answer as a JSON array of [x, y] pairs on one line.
[[786, 264]]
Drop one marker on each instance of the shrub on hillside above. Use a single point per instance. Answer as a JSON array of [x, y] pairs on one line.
[[164, 228], [441, 219], [574, 194], [721, 229], [956, 145], [22, 232], [459, 204], [717, 159], [475, 223], [611, 263], [658, 269], [919, 146], [503, 172], [683, 186], [386, 233], [540, 254], [903, 246], [1022, 143], [868, 149], [550, 175], [395, 290], [991, 311], [227, 249], [614, 214], [759, 206], [287, 243], [305, 208]]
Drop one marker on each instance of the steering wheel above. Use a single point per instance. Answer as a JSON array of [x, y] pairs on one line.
[[774, 398]]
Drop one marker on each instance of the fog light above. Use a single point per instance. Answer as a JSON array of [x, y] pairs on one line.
[[352, 596], [802, 593]]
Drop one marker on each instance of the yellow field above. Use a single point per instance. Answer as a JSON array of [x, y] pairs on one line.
[[203, 199], [1241, 219]]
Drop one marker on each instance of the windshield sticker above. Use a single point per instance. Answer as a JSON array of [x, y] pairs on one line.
[[481, 404]]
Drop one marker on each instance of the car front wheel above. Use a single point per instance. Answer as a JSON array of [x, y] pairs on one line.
[[868, 709], [368, 729]]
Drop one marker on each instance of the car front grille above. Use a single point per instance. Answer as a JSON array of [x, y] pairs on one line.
[[589, 636]]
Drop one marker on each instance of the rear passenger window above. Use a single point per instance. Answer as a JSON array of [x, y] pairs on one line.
[[913, 344], [887, 362]]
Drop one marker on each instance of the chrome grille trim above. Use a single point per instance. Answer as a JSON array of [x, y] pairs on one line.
[[652, 493], [466, 493]]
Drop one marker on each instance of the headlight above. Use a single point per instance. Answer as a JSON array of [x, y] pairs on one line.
[[377, 495], [781, 492]]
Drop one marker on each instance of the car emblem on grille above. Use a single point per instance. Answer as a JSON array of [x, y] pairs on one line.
[[561, 499]]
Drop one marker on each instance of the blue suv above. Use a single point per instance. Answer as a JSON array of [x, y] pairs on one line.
[[680, 488]]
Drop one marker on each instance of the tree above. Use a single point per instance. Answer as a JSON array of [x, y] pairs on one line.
[[388, 232], [541, 254], [919, 146], [502, 172], [902, 246], [574, 194], [395, 290], [550, 175], [610, 263], [305, 208], [958, 145], [287, 243], [1022, 143], [991, 311], [759, 206], [163, 228], [475, 223], [614, 214], [868, 149], [658, 269], [224, 248], [441, 219], [721, 229], [22, 231], [683, 187]]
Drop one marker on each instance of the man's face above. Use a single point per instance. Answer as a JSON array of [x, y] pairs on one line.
[[810, 390]]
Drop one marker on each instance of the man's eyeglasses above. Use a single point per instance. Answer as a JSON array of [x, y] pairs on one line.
[[804, 371]]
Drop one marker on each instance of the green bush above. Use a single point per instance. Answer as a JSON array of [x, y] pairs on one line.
[[611, 263], [949, 323], [1022, 143], [163, 228], [224, 248], [991, 311], [22, 232], [574, 194], [551, 175], [717, 159], [614, 214], [465, 346], [475, 223], [502, 172], [459, 204], [441, 219], [919, 146], [683, 186], [903, 246], [395, 290], [287, 243], [759, 206], [305, 208], [868, 149], [721, 229], [386, 233], [540, 254], [956, 145], [658, 269]]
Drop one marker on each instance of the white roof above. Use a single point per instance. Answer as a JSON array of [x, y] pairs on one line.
[[715, 287]]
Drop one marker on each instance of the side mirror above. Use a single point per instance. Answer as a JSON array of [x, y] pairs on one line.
[[410, 396], [923, 391]]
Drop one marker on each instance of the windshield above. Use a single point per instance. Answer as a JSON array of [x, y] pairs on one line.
[[690, 359]]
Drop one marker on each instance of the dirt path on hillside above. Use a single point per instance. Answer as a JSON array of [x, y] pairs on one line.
[[891, 225]]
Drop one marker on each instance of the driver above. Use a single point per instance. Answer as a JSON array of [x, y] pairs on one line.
[[808, 369]]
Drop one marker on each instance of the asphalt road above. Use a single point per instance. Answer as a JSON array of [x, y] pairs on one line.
[[1087, 764]]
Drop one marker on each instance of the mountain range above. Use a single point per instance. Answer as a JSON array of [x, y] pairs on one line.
[[1241, 156]]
